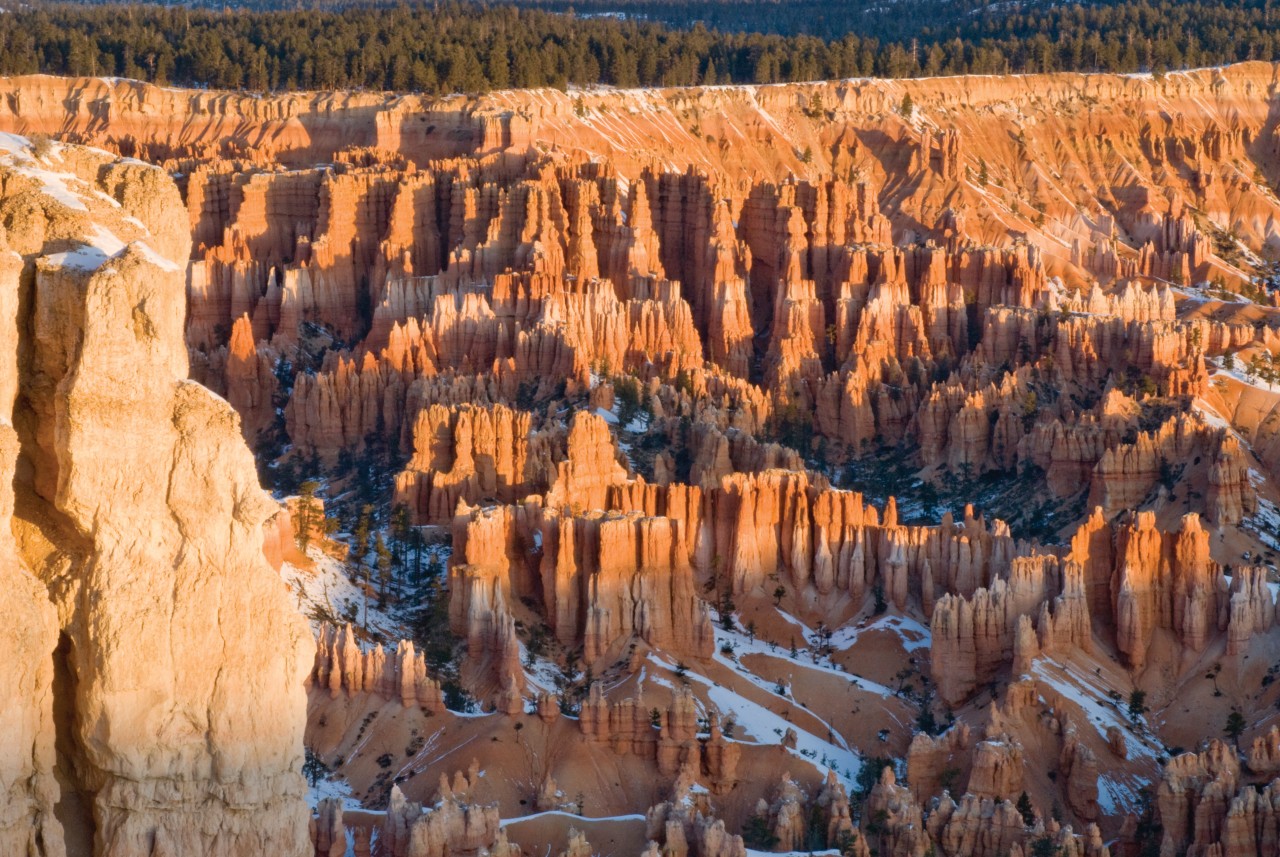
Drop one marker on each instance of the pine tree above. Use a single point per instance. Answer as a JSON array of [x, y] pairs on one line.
[[383, 555], [1236, 725], [360, 537], [1026, 810], [497, 66], [1137, 705], [359, 555], [401, 530], [307, 516], [726, 609], [757, 835]]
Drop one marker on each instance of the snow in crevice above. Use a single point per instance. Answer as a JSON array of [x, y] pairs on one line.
[[758, 722], [1088, 692], [1118, 793], [912, 634], [765, 727], [1265, 523], [18, 154]]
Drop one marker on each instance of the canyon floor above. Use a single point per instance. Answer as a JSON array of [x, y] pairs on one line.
[[873, 467]]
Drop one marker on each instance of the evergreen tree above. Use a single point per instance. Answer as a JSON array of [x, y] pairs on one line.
[[1026, 810], [757, 835], [726, 608], [453, 46], [497, 66], [1137, 704], [307, 514], [1236, 724], [401, 530], [384, 563], [359, 556]]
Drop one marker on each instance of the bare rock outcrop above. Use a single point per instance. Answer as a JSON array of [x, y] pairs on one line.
[[941, 763], [1264, 752], [187, 725], [28, 791], [457, 823], [472, 454], [604, 579], [328, 834], [343, 666], [975, 826], [898, 817], [997, 769], [1196, 793], [685, 825]]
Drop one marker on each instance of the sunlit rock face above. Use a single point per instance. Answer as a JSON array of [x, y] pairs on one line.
[[751, 436], [157, 639]]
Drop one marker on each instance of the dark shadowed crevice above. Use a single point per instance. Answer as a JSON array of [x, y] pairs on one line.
[[75, 806]]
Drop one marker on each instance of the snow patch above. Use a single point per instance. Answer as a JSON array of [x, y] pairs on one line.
[[1265, 524], [332, 788], [1087, 691], [86, 258], [326, 595]]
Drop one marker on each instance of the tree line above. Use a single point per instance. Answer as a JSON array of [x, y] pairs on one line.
[[469, 47]]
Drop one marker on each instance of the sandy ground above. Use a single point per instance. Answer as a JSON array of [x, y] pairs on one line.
[[609, 837]]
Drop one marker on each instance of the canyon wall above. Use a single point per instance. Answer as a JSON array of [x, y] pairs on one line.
[[623, 348]]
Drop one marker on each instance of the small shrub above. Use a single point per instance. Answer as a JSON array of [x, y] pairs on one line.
[[41, 145]]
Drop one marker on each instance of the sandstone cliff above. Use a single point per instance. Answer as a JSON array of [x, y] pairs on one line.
[[139, 509]]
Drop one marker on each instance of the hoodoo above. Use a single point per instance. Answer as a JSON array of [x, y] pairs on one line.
[[864, 466]]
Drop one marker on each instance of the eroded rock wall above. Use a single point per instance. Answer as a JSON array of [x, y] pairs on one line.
[[139, 506]]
